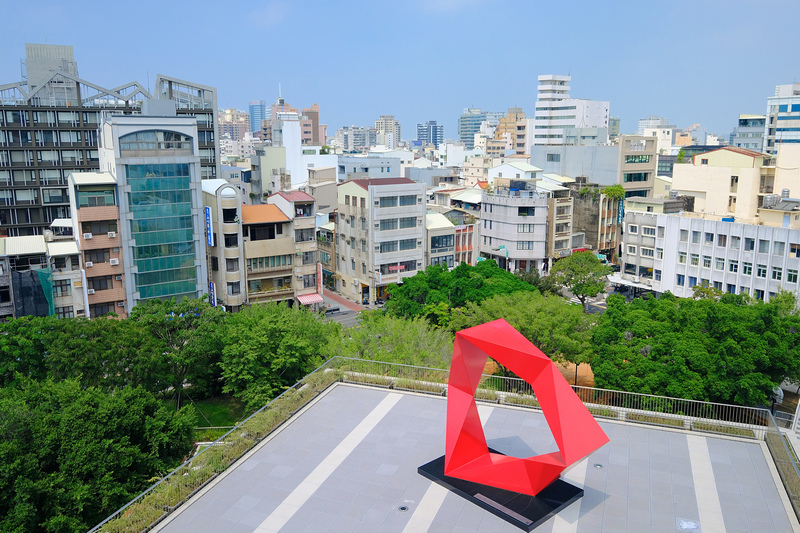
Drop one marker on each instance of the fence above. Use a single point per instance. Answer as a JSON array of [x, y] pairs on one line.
[[154, 504]]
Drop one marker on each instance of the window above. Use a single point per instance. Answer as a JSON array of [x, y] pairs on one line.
[[763, 246], [363, 224], [684, 235], [388, 246], [232, 265], [526, 228], [759, 294], [637, 159], [408, 200], [719, 263], [231, 240], [363, 268], [629, 177], [408, 244], [761, 271], [553, 158], [95, 197], [704, 161], [388, 201], [646, 252], [97, 310], [747, 269], [731, 288], [657, 275], [681, 257], [692, 281], [353, 221], [304, 235], [388, 224], [794, 250], [100, 283], [777, 273], [791, 275], [526, 211], [650, 231], [680, 279], [408, 222], [778, 248], [709, 238], [659, 253], [722, 240], [733, 266], [660, 232], [363, 246], [309, 280], [718, 285], [346, 199], [735, 243], [234, 287], [215, 263], [309, 258], [99, 227], [64, 312], [633, 229], [97, 256], [694, 259], [363, 203], [442, 241], [750, 244], [632, 251], [706, 261], [62, 287]]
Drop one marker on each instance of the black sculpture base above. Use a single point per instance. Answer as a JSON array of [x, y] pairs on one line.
[[524, 511]]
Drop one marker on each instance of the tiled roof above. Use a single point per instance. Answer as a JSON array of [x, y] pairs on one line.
[[295, 196], [255, 214], [365, 183]]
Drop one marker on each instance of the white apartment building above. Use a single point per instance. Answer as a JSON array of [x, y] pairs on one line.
[[513, 227], [557, 114], [783, 118], [674, 253], [381, 232]]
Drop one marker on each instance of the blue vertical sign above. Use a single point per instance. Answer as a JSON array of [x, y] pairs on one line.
[[620, 212], [212, 294], [209, 232]]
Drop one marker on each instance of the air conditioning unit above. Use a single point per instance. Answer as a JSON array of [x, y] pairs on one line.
[[113, 262], [87, 235], [89, 264], [118, 278], [89, 291], [112, 234], [120, 304]]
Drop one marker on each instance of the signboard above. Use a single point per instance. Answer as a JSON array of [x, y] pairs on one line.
[[212, 293], [621, 212], [395, 268], [209, 232], [319, 279]]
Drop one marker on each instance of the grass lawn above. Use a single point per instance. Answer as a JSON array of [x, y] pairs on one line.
[[218, 411]]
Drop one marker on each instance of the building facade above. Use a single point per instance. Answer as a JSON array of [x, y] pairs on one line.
[[783, 118], [49, 128], [381, 235], [557, 115], [637, 164], [749, 132], [258, 113], [224, 244], [430, 133], [387, 130]]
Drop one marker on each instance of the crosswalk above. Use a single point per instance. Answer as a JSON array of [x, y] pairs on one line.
[[589, 301]]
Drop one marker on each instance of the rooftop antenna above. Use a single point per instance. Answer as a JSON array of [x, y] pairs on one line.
[[279, 90]]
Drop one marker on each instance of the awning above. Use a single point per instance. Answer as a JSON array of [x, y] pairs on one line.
[[619, 280], [61, 223], [308, 299]]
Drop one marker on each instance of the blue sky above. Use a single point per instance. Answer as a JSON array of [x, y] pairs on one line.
[[702, 61]]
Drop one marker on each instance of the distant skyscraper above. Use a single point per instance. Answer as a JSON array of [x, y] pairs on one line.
[[258, 112], [749, 132], [651, 123], [613, 127], [469, 123], [388, 131], [430, 132], [783, 118], [561, 119]]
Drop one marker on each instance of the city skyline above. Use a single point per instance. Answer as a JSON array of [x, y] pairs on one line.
[[686, 68]]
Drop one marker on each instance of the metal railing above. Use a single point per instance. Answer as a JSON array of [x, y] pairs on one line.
[[158, 501]]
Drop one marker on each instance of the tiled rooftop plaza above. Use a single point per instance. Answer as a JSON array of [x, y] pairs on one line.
[[348, 462]]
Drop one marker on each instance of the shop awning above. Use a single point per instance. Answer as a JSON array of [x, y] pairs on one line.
[[308, 299]]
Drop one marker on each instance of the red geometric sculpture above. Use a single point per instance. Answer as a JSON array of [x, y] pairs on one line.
[[467, 456]]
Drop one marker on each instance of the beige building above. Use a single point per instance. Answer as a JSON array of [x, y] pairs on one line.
[[637, 165], [728, 182], [269, 253], [440, 237], [226, 261]]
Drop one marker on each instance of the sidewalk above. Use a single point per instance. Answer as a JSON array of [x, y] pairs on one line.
[[334, 299]]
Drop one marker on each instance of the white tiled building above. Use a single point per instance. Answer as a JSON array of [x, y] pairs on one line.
[[674, 253]]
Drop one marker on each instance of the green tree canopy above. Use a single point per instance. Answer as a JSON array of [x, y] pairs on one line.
[[269, 348], [727, 351], [68, 454], [582, 274]]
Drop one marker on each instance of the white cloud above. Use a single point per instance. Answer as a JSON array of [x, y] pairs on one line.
[[269, 15]]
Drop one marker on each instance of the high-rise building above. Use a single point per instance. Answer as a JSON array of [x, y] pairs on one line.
[[783, 118], [258, 113], [651, 122], [749, 132], [48, 129], [469, 123], [233, 123], [388, 131], [560, 119], [430, 132]]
